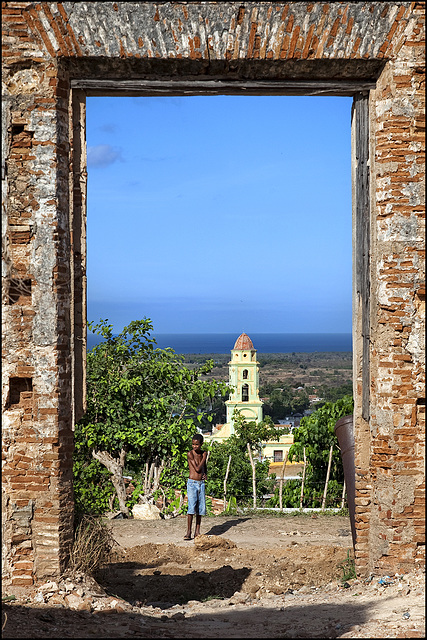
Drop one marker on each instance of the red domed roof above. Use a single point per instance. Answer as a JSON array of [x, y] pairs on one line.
[[243, 342]]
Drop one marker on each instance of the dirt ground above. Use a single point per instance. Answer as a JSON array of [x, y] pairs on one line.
[[245, 576]]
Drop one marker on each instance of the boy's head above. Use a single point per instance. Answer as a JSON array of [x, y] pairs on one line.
[[196, 442]]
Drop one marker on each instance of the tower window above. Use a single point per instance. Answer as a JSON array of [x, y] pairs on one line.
[[245, 374], [245, 393]]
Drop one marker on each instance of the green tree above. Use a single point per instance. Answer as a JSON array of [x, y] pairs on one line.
[[239, 483], [285, 401], [332, 394], [316, 434], [143, 406], [252, 434]]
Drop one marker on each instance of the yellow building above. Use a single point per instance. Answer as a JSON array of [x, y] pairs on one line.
[[244, 378]]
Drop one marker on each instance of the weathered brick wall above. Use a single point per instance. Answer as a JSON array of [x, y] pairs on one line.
[[49, 45], [37, 433], [395, 536]]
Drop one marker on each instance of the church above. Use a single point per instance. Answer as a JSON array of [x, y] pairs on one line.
[[244, 380]]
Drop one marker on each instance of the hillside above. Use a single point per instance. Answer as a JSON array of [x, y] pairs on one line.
[[332, 369]]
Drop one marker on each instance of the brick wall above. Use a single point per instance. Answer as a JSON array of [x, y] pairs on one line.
[[55, 52]]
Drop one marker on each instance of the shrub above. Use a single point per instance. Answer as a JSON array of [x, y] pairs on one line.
[[92, 545]]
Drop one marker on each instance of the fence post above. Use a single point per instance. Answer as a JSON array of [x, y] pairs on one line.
[[282, 473], [253, 475], [225, 482], [343, 494], [302, 483], [327, 478]]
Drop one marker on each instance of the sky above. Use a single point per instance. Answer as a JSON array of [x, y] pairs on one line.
[[220, 214]]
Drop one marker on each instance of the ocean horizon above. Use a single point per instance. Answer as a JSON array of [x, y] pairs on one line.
[[198, 343]]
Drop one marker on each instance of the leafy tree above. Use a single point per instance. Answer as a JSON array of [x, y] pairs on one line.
[[252, 434], [143, 406], [239, 483], [332, 394], [285, 401], [316, 434]]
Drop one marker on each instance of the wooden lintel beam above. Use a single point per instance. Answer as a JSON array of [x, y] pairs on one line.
[[220, 87]]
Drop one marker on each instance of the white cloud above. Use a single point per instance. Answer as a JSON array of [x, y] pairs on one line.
[[108, 128], [102, 155]]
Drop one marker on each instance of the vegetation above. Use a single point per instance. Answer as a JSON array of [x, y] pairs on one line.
[[348, 568], [246, 474], [284, 401], [316, 434], [92, 545], [239, 483], [332, 394], [143, 406]]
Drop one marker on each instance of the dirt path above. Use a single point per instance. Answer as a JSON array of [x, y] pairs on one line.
[[246, 532], [255, 577]]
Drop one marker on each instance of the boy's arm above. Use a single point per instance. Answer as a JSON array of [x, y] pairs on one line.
[[205, 468], [198, 468], [205, 472]]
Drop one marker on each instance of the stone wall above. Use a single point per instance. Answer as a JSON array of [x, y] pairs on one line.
[[395, 469], [56, 53]]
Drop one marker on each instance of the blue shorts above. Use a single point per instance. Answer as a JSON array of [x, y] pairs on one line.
[[196, 497]]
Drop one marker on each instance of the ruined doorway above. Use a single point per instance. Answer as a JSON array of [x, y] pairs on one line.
[[55, 55]]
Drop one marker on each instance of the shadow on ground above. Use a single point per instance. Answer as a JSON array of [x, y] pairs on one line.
[[322, 620], [161, 588], [219, 529]]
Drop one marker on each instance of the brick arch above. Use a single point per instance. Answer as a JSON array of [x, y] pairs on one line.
[[54, 55]]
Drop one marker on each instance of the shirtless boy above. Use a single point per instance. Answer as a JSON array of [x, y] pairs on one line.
[[196, 485]]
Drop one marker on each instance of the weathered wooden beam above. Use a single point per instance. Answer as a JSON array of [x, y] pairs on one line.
[[363, 231], [189, 87]]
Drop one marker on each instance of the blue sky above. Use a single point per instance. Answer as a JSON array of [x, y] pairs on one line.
[[220, 214]]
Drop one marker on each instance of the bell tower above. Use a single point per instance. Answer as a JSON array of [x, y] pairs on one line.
[[243, 370]]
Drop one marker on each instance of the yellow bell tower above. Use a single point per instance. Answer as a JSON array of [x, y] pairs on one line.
[[244, 378]]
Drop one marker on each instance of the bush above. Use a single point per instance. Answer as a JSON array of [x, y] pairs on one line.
[[92, 545], [316, 434], [93, 488], [239, 482]]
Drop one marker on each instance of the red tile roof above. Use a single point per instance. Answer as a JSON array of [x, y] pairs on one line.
[[243, 342]]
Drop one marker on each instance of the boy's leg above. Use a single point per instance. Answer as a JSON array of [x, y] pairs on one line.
[[189, 526], [192, 503], [201, 510], [198, 522]]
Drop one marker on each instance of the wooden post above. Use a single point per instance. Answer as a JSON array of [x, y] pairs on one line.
[[303, 478], [327, 478], [253, 476], [343, 494], [225, 483], [282, 473]]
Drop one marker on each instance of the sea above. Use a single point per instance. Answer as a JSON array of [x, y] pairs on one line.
[[198, 343]]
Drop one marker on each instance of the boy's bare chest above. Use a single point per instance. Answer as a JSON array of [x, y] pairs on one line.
[[197, 457]]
